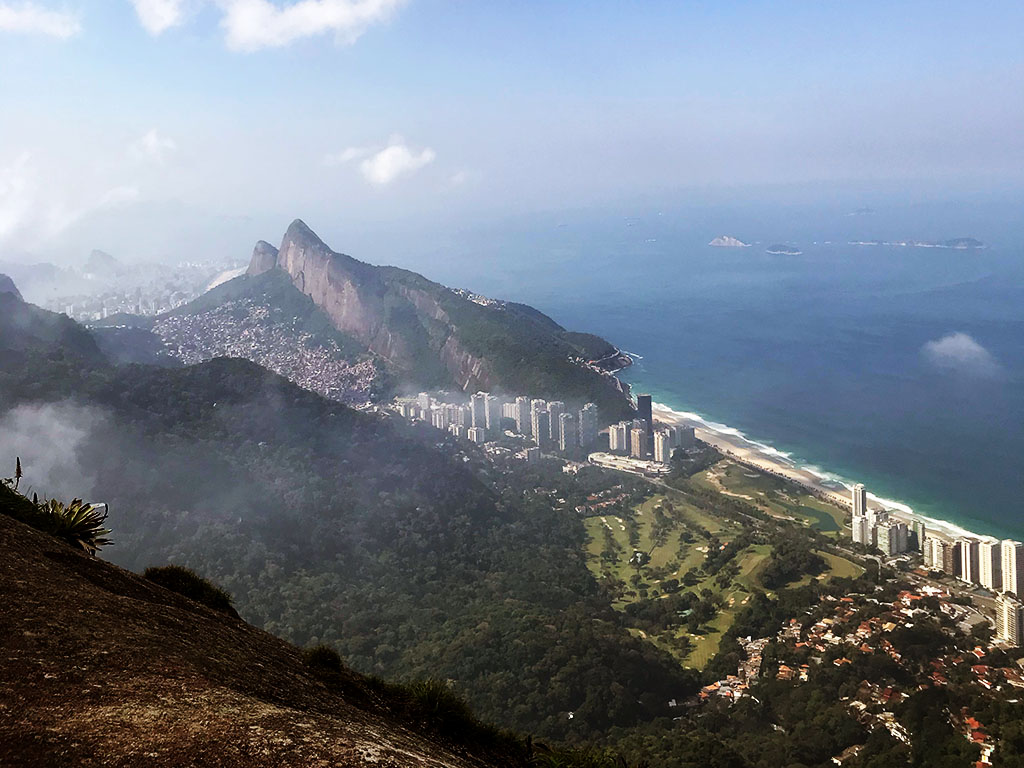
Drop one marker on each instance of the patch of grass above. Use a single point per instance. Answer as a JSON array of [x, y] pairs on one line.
[[323, 659], [187, 582]]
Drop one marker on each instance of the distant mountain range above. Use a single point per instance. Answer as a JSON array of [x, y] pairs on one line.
[[956, 244]]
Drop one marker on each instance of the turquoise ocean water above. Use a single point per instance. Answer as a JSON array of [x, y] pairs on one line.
[[899, 367]]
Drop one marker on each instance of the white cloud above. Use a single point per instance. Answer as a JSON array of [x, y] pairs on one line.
[[961, 353], [30, 18], [394, 161], [157, 16], [346, 156], [254, 24], [152, 147], [35, 208]]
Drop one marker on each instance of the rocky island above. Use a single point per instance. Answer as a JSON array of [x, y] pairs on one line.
[[725, 241]]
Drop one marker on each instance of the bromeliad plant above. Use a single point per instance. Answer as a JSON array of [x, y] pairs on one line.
[[77, 523]]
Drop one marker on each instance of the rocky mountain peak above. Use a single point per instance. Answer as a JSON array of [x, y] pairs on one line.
[[7, 286], [264, 258]]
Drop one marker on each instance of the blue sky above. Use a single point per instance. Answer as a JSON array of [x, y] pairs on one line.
[[130, 121]]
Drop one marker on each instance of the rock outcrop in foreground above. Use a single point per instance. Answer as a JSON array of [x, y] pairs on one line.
[[101, 667]]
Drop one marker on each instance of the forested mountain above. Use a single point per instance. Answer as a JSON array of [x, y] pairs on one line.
[[334, 526], [26, 328]]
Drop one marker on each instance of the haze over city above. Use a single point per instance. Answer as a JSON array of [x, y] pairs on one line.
[[160, 126]]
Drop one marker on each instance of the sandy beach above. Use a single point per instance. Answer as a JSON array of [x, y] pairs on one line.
[[733, 443]]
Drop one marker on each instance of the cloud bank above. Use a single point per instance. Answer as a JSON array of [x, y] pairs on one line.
[[157, 16], [383, 166], [152, 147], [250, 25], [30, 18], [959, 352]]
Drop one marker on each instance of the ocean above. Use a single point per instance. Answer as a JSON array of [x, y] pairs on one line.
[[899, 367]]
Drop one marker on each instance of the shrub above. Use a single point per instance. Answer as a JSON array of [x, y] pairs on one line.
[[323, 659], [193, 586], [77, 523]]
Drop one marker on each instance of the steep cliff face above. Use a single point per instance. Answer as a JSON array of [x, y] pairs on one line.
[[264, 258], [431, 335], [7, 286]]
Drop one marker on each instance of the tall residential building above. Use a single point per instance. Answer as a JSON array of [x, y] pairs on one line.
[[644, 412], [1010, 620], [536, 406], [439, 417], [861, 530], [1013, 567], [423, 401], [969, 567], [588, 425], [556, 408], [891, 537], [477, 435], [618, 437], [457, 429], [478, 410], [493, 406], [540, 420], [919, 535], [509, 410], [638, 443], [663, 446], [990, 565], [523, 415], [683, 436], [567, 432], [860, 500]]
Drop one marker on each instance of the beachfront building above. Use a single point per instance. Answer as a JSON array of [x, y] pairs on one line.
[[663, 446], [1010, 620], [683, 436], [588, 425], [638, 443], [568, 432], [969, 569], [990, 564], [943, 556], [644, 412], [1013, 567], [891, 537], [918, 535], [861, 531], [860, 500]]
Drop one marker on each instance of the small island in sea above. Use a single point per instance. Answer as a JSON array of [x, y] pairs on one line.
[[783, 250], [725, 241], [956, 243]]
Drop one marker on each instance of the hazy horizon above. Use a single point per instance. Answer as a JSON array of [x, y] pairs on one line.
[[157, 127]]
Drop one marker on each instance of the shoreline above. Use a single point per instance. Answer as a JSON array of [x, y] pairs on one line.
[[832, 488]]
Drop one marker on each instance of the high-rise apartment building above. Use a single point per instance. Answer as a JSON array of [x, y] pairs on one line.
[[493, 406], [644, 412], [618, 437], [860, 500], [541, 422], [861, 530], [683, 436], [969, 566], [423, 400], [891, 537], [1013, 567], [556, 408], [588, 425], [523, 415], [990, 565], [478, 410], [477, 435], [568, 432], [1010, 620], [638, 443], [663, 447], [537, 406], [918, 535]]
